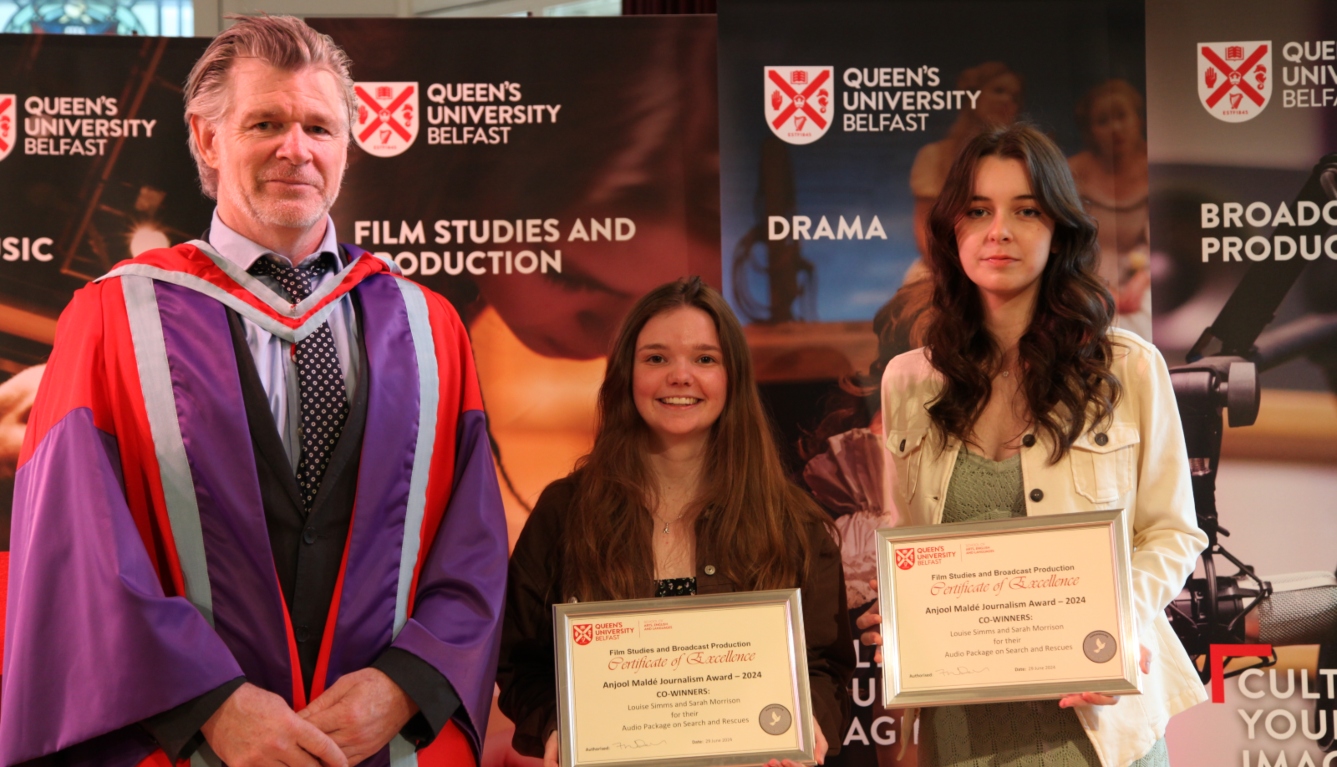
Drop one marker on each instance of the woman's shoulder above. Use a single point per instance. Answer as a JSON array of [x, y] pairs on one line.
[[914, 362], [554, 503], [1141, 370], [537, 553], [908, 370], [1132, 353], [564, 486], [909, 383], [813, 526], [823, 538]]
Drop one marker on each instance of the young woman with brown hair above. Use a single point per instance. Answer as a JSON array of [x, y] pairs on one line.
[[683, 493], [1024, 401]]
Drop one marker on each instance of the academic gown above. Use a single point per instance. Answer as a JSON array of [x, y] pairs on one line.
[[141, 574]]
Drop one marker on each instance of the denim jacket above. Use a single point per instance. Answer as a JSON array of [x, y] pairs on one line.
[[1138, 462]]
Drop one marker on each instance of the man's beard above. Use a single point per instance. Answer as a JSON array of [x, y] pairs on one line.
[[292, 213]]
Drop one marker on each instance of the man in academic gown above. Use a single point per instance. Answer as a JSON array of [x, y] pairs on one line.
[[256, 518]]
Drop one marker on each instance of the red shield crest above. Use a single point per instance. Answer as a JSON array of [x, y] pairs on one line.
[[800, 102], [387, 117], [583, 633], [905, 558], [9, 128], [1235, 79]]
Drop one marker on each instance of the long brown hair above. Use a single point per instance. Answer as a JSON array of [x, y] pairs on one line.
[[761, 525], [1064, 356]]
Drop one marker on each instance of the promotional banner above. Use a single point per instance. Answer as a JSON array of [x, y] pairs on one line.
[[1242, 126], [542, 192], [543, 174], [838, 123], [93, 169]]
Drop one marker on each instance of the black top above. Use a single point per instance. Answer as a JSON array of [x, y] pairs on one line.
[[675, 587], [526, 673]]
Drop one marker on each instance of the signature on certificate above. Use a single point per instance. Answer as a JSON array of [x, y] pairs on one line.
[[960, 671], [638, 743]]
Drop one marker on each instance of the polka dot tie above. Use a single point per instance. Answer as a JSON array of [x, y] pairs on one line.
[[320, 379]]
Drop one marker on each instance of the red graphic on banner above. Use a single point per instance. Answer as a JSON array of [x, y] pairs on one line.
[[1233, 82], [798, 102], [1217, 655], [387, 123], [385, 115], [905, 558], [583, 633], [7, 120], [1235, 77]]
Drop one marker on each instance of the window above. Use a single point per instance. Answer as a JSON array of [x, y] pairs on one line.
[[169, 18]]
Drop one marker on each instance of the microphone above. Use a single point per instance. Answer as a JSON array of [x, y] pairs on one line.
[[1301, 610], [1286, 609]]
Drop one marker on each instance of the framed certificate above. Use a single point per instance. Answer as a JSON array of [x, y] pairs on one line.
[[684, 681], [1017, 609]]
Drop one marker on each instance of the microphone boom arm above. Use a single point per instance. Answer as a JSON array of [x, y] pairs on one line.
[[1212, 609]]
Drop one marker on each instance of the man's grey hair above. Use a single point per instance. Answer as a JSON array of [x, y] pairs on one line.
[[284, 42]]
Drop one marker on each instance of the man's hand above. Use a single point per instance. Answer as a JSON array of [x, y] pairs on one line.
[[255, 728], [361, 713]]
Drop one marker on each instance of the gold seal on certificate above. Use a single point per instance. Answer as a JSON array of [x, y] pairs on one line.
[[1016, 609], [684, 681]]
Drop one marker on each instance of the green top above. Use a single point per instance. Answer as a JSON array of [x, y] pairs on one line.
[[1027, 734], [984, 489]]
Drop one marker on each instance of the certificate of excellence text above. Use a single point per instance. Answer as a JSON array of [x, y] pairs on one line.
[[679, 683], [1025, 607]]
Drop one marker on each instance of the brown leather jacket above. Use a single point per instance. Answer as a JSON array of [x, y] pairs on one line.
[[526, 675]]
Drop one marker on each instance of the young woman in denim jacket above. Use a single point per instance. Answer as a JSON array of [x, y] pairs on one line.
[[1025, 401]]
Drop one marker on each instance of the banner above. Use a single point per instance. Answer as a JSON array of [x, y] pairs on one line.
[[93, 169], [838, 122], [1242, 124], [543, 174], [543, 192]]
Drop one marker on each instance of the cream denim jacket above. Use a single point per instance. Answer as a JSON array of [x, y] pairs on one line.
[[1138, 462]]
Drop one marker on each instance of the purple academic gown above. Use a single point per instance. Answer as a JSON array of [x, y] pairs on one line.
[[141, 573]]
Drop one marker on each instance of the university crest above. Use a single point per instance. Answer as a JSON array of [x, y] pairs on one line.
[[800, 102], [905, 558], [387, 117], [9, 129], [1235, 79]]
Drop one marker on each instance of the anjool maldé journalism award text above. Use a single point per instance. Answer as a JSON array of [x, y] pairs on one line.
[[707, 680], [1029, 608]]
